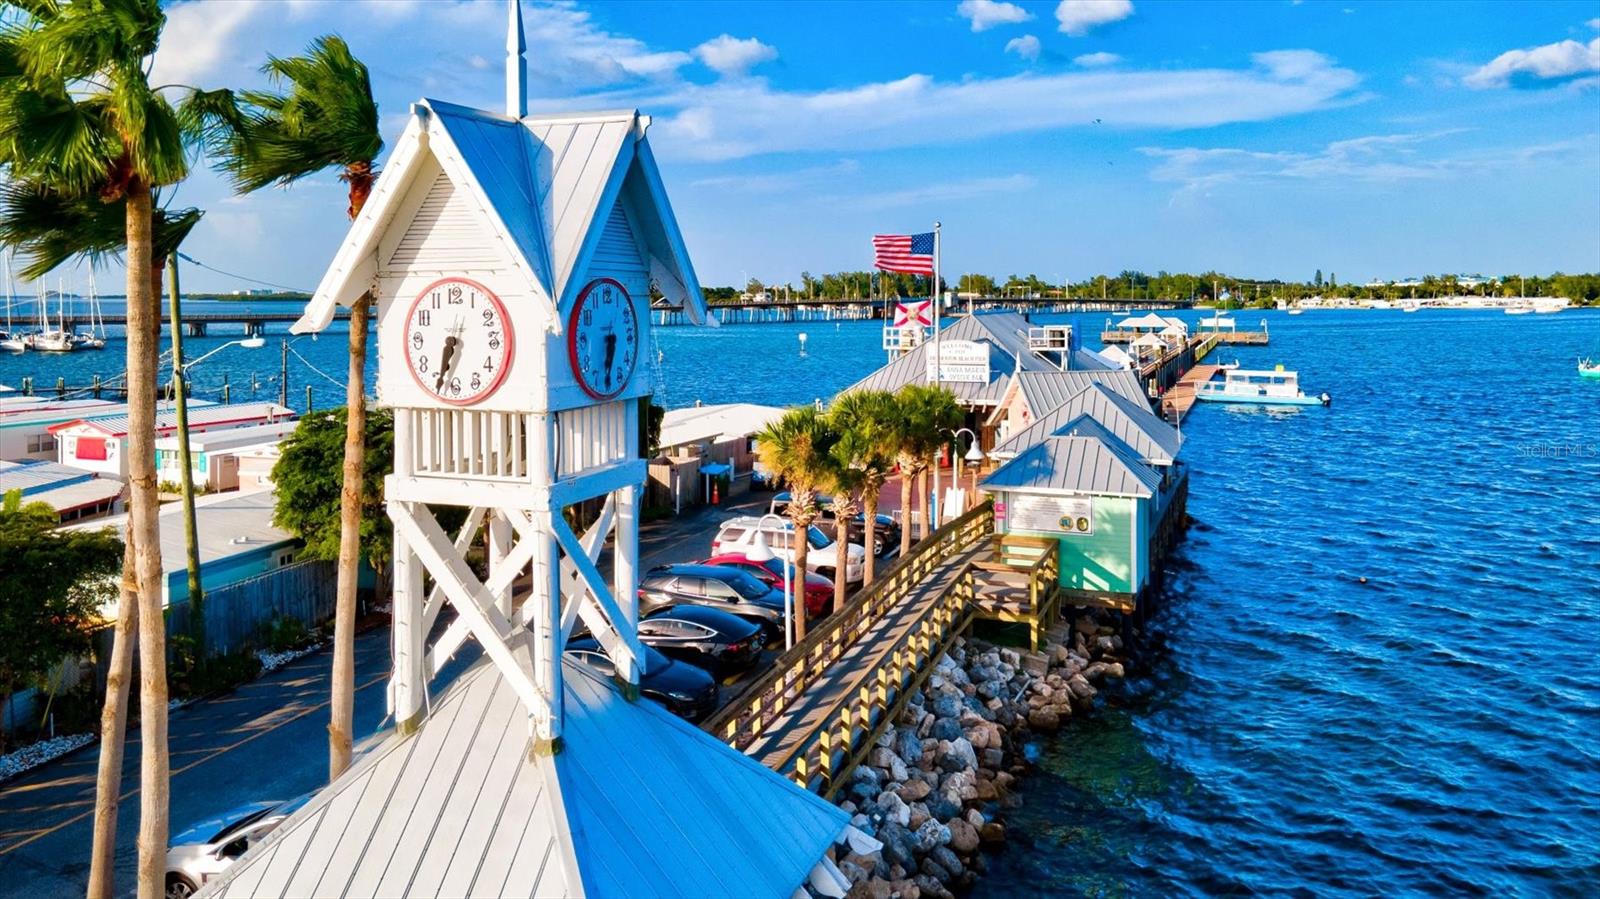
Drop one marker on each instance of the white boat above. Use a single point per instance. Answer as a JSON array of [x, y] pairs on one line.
[[10, 341], [1259, 388], [51, 342], [1519, 310], [1296, 311]]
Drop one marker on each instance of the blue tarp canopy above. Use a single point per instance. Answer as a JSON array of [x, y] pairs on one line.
[[715, 469]]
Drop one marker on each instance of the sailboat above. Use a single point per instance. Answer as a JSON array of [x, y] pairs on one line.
[[96, 338], [47, 340], [10, 340]]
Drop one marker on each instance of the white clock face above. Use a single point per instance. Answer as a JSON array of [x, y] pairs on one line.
[[458, 341], [603, 338]]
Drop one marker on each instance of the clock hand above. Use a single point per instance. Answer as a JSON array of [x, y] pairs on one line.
[[611, 352], [446, 360]]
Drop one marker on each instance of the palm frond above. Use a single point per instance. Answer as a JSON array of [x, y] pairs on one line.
[[48, 228]]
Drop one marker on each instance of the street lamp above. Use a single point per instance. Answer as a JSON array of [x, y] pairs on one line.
[[973, 453], [761, 553]]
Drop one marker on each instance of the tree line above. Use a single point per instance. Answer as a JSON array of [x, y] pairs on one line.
[[1209, 286]]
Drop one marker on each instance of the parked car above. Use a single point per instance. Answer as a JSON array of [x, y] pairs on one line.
[[704, 637], [739, 535], [720, 587], [209, 847], [885, 535], [686, 690], [819, 590]]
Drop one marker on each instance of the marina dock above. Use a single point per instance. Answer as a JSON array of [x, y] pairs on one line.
[[1250, 338], [1180, 399]]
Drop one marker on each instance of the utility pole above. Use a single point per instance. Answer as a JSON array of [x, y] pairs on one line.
[[180, 383], [283, 374]]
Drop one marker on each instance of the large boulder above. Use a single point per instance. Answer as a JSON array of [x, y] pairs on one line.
[[947, 860], [945, 729], [908, 745], [915, 790], [956, 755], [963, 836], [894, 808], [932, 833], [1044, 720], [943, 806], [947, 705], [899, 846]]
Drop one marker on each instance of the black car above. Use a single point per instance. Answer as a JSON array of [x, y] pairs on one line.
[[885, 534], [708, 638], [685, 690], [717, 586]]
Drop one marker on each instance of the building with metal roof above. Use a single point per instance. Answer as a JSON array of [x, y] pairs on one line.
[[72, 492], [637, 803], [100, 443], [1084, 458], [214, 454], [237, 540], [25, 427], [1031, 395], [1131, 421]]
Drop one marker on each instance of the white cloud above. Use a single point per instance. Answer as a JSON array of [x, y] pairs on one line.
[[728, 120], [1594, 23], [778, 182], [1386, 158], [1026, 47], [986, 14], [1095, 60], [1078, 16], [729, 55], [199, 39], [1551, 63]]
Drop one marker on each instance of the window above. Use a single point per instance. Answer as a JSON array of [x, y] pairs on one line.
[[596, 660], [732, 535], [817, 538], [719, 590], [41, 443], [690, 586]]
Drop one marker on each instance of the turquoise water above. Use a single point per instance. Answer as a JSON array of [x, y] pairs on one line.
[[1434, 730]]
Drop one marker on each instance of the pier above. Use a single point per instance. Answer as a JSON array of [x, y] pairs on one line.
[[746, 312], [1177, 402], [195, 325], [1248, 338]]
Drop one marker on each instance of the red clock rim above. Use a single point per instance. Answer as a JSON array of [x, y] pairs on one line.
[[511, 344], [572, 338]]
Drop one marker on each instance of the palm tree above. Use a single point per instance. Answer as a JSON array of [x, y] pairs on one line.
[[320, 114], [865, 421], [80, 116], [844, 486], [797, 448], [924, 410]]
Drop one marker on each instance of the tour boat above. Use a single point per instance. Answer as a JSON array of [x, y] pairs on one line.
[[1260, 388], [1589, 368]]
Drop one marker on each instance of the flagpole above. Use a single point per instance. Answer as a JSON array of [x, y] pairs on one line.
[[938, 301]]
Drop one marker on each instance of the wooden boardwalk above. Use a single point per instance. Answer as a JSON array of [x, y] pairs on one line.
[[814, 716], [782, 741], [1177, 402]]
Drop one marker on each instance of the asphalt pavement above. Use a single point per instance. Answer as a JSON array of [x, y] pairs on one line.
[[265, 740]]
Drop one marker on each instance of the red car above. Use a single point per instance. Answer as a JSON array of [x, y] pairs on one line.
[[819, 590]]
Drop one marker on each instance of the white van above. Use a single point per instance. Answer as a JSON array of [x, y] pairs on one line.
[[738, 535]]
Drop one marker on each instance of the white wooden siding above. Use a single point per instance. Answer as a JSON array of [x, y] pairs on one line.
[[475, 443], [617, 256], [446, 233]]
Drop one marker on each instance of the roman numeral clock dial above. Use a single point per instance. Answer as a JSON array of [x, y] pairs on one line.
[[458, 341], [603, 338]]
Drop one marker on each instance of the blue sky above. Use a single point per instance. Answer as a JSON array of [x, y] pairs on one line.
[[1263, 138]]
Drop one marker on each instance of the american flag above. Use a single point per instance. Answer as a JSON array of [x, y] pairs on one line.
[[908, 253]]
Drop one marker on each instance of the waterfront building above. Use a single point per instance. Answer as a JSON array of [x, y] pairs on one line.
[[74, 493], [100, 443], [978, 356], [523, 249], [1031, 395], [1100, 475], [214, 455]]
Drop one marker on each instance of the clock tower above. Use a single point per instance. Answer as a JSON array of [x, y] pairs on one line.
[[512, 259]]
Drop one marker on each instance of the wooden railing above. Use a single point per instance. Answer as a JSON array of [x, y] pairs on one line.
[[747, 716], [848, 733]]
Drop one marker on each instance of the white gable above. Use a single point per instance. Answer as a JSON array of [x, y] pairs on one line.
[[445, 232]]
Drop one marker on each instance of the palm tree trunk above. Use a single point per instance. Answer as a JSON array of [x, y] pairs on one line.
[[906, 519], [114, 730], [144, 323], [869, 506], [341, 709], [841, 550], [801, 548]]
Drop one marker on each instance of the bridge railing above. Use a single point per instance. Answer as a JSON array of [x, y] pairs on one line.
[[749, 715]]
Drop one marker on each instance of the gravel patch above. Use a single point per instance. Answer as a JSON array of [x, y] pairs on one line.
[[14, 763]]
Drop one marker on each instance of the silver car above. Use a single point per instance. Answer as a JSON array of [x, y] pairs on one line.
[[210, 846]]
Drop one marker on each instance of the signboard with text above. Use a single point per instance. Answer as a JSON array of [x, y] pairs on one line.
[[962, 361], [1050, 514]]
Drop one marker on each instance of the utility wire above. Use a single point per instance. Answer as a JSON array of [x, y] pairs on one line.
[[193, 261], [296, 353]]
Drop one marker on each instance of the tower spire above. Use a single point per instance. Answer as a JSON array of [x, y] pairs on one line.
[[516, 64]]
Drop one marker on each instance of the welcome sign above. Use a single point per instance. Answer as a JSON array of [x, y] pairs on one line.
[[959, 361], [1052, 514]]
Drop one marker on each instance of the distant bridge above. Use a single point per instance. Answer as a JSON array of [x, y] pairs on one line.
[[792, 310], [194, 325]]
